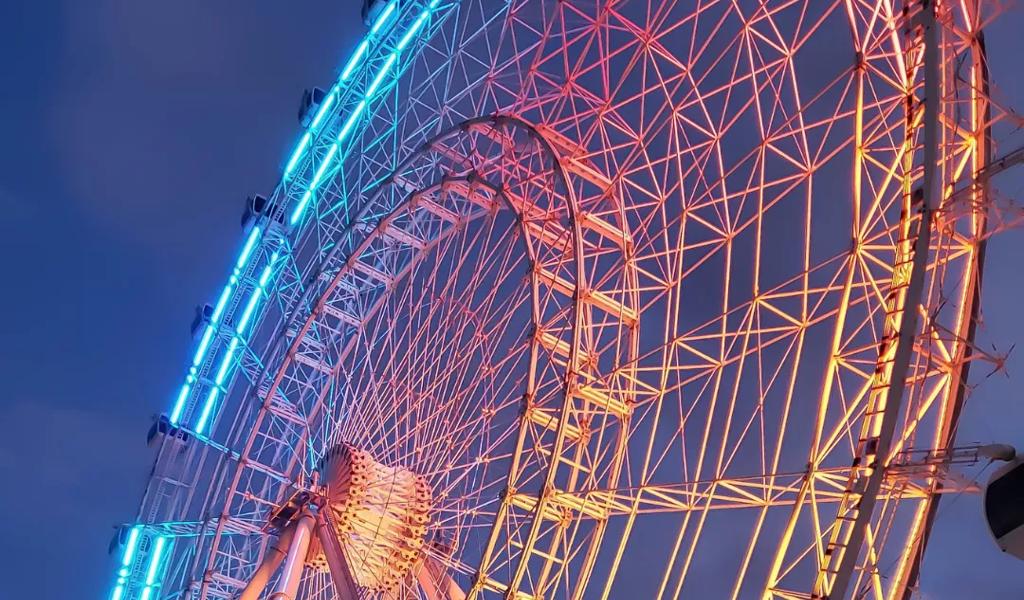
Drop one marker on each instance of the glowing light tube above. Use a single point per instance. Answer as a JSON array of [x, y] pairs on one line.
[[126, 561], [154, 562], [303, 147], [325, 107], [300, 150], [320, 172], [383, 17]]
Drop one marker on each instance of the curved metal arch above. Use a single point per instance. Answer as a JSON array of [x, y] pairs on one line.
[[855, 529], [908, 572], [373, 206]]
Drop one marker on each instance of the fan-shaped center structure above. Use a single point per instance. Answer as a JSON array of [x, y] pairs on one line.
[[379, 514]]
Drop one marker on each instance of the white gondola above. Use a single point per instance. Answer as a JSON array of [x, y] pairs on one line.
[[1004, 507]]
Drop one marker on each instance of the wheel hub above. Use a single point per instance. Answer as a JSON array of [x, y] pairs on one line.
[[380, 516]]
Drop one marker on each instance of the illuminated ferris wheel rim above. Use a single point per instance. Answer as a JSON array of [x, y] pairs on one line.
[[294, 196], [371, 55], [553, 270]]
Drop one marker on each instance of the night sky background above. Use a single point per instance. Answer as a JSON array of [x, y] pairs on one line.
[[131, 133]]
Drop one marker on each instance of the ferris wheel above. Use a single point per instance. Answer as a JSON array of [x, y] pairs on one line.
[[592, 299]]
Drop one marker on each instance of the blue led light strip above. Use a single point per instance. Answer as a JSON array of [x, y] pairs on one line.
[[211, 327], [228, 361], [242, 265], [154, 573], [150, 562], [335, 92], [305, 142], [126, 560], [357, 112]]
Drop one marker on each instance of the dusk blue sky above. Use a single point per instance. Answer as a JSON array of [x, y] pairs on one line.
[[131, 133]]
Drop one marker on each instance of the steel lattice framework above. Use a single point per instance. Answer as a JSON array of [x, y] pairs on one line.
[[619, 281]]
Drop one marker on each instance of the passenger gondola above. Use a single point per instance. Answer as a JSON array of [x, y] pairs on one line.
[[1004, 507]]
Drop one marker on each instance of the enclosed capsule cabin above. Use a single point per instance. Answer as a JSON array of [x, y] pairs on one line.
[[1004, 507], [371, 10]]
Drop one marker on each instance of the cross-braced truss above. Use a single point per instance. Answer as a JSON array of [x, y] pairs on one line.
[[620, 281]]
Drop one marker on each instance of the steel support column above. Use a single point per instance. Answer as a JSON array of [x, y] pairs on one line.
[[344, 584], [848, 553], [288, 584], [271, 561]]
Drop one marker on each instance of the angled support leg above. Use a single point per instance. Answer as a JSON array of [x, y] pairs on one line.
[[344, 584], [288, 584], [271, 561], [436, 583]]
